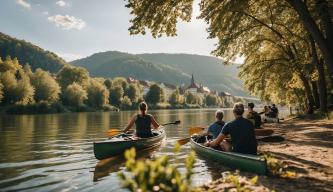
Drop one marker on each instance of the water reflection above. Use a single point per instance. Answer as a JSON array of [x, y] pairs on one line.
[[55, 152]]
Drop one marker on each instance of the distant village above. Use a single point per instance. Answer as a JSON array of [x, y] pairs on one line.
[[196, 89]]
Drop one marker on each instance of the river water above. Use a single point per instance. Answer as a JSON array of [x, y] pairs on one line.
[[55, 152]]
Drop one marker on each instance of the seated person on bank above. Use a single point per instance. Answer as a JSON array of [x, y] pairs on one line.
[[253, 116], [242, 134], [215, 128], [142, 122], [275, 111]]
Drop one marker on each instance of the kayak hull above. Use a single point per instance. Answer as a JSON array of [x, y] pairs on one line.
[[245, 162], [116, 145]]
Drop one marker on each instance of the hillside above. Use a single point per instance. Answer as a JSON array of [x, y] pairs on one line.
[[26, 52], [208, 70], [113, 64], [170, 68]]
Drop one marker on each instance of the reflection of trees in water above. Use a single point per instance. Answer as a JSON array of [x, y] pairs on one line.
[[18, 133]]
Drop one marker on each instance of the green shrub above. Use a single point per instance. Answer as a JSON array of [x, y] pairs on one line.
[[98, 94], [155, 175], [46, 87], [75, 95]]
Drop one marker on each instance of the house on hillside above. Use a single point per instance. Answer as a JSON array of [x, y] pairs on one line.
[[168, 89], [131, 80], [227, 96]]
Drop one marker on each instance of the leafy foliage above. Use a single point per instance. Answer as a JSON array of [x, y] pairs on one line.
[[277, 167], [116, 93], [126, 103], [133, 92], [212, 100], [98, 95], [155, 94], [75, 95], [174, 98], [1, 92], [191, 98], [46, 87], [69, 75], [155, 175]]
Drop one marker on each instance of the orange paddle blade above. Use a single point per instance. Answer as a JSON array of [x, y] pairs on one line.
[[194, 130], [183, 141], [113, 132]]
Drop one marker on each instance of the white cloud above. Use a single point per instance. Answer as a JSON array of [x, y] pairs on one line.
[[61, 3], [45, 12], [24, 4], [67, 22]]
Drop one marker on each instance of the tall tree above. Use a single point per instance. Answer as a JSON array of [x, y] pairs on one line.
[[69, 74], [47, 88], [155, 94]]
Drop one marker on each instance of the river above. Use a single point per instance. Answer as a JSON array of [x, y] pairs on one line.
[[54, 152]]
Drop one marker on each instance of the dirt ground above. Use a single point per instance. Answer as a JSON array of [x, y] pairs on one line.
[[307, 150]]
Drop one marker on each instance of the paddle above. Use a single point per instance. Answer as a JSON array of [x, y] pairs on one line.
[[259, 132], [114, 132], [197, 130]]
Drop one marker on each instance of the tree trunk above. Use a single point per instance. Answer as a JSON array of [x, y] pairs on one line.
[[311, 26], [321, 77], [326, 18], [315, 94], [307, 90]]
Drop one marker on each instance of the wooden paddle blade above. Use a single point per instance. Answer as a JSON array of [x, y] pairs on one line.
[[183, 141], [194, 130], [264, 132]]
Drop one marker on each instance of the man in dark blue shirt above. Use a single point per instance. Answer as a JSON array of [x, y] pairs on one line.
[[215, 128], [241, 131]]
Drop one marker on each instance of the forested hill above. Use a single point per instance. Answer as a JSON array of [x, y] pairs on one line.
[[114, 64], [26, 52], [208, 70], [170, 68]]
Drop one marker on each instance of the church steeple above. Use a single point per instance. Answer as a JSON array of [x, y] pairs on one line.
[[193, 85]]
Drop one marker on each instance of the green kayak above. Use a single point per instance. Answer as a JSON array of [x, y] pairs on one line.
[[245, 162], [118, 144]]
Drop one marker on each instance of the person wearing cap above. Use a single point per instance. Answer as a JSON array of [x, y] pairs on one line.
[[215, 128], [143, 122], [241, 131], [253, 116]]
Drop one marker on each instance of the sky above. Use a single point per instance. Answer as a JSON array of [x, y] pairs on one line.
[[78, 28]]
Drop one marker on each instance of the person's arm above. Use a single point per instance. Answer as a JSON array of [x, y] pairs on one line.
[[130, 124], [154, 122], [217, 141], [224, 132]]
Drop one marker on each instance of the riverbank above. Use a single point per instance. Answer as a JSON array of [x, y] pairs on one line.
[[307, 150], [58, 107]]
